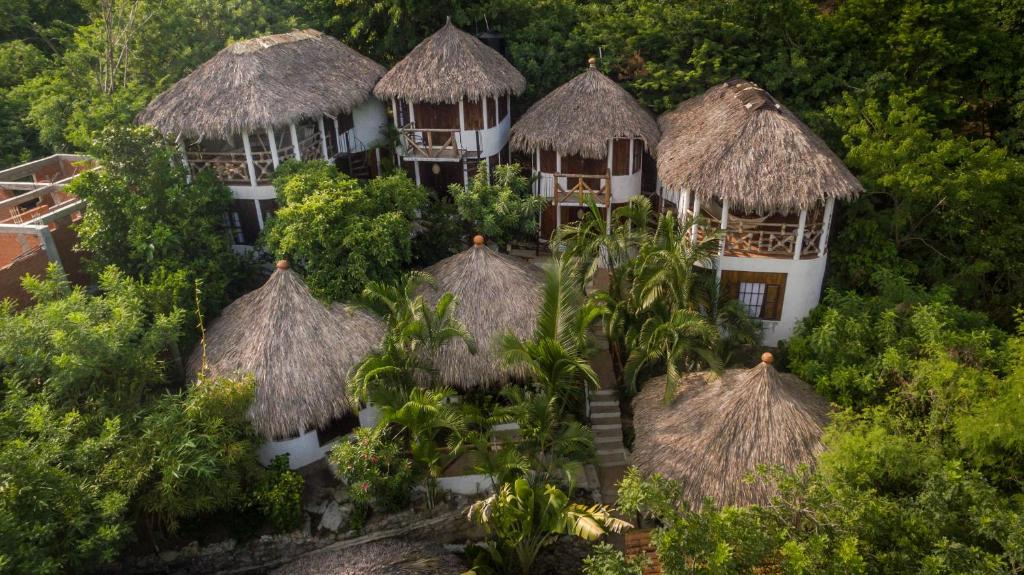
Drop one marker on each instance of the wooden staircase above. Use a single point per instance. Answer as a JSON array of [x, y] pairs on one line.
[[358, 167]]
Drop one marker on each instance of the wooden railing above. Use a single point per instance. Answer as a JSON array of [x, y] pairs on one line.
[[231, 167], [743, 237], [432, 143], [578, 188]]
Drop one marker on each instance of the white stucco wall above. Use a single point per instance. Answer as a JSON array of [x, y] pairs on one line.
[[368, 122], [803, 289], [301, 450]]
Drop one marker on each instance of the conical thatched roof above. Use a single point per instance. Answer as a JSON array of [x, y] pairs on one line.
[[496, 294], [385, 557], [265, 82], [737, 142], [449, 66], [715, 433], [299, 351], [580, 116]]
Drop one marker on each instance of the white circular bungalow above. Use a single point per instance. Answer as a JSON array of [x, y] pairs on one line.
[[258, 102], [741, 161], [451, 103], [587, 138], [300, 353]]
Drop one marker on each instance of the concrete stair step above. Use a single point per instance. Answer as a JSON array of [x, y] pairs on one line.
[[606, 393], [606, 415], [604, 403], [608, 438], [606, 427]]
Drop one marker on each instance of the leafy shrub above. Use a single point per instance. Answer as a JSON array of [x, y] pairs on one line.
[[607, 560], [502, 211], [374, 469], [279, 495]]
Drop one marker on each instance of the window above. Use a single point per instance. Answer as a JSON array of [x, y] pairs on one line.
[[752, 297], [760, 293]]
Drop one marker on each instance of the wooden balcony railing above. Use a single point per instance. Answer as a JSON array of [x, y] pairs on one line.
[[578, 187], [430, 143], [231, 167], [751, 238]]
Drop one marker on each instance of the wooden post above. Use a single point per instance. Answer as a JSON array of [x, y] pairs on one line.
[[696, 214], [725, 226], [799, 246], [295, 141], [248, 159], [826, 226], [273, 147], [323, 136]]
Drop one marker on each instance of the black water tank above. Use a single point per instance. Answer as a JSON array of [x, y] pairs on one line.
[[494, 40]]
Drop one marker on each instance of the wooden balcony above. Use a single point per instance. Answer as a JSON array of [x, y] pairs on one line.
[[581, 188], [232, 167], [430, 143], [752, 238]]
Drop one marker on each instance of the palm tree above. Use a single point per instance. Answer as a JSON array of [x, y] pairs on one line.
[[677, 342], [522, 519], [416, 330], [551, 438], [427, 418], [557, 356]]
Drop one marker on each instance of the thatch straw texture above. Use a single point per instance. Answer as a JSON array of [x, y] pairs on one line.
[[299, 351], [581, 116], [449, 66], [736, 142], [385, 557], [265, 82], [715, 433], [496, 294]]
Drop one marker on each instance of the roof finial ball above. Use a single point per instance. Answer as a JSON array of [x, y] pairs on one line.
[[767, 357], [478, 240], [282, 264], [592, 62]]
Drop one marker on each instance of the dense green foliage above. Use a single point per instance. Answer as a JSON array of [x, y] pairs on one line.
[[523, 518], [95, 447], [278, 495], [339, 232], [502, 209], [922, 471], [148, 220]]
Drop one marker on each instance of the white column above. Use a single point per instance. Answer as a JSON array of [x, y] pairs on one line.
[[184, 159], [684, 203], [462, 130], [632, 168], [337, 137], [483, 102], [412, 113], [259, 214], [394, 112], [696, 214], [273, 146], [608, 205], [799, 247], [725, 226], [826, 226], [416, 168], [323, 136], [248, 159], [295, 141], [376, 152]]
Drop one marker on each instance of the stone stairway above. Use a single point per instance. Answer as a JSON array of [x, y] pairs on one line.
[[606, 422]]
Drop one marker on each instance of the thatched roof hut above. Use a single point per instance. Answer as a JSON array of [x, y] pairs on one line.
[[385, 557], [299, 351], [496, 294], [450, 66], [265, 82], [715, 433], [737, 142], [581, 116]]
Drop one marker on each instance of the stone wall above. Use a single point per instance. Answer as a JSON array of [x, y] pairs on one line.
[[445, 524]]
